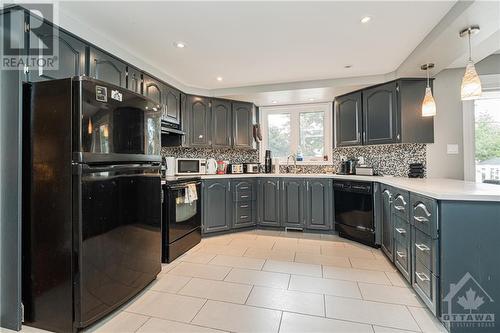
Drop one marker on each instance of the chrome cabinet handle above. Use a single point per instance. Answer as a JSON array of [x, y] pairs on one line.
[[399, 207], [244, 196], [420, 219], [422, 277], [244, 188], [424, 208], [401, 230], [400, 254], [244, 206], [422, 247], [243, 216]]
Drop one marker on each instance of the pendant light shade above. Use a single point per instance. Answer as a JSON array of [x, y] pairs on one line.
[[428, 104], [471, 84]]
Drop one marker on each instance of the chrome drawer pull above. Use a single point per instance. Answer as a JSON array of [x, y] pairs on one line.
[[422, 247], [244, 196], [424, 278], [243, 216], [399, 207], [424, 208], [400, 254], [244, 206], [420, 219], [402, 199], [244, 188], [401, 230]]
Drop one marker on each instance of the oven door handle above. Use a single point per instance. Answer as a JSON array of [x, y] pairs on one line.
[[119, 167], [184, 185]]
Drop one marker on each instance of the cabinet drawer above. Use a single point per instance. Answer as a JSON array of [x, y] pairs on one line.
[[425, 249], [244, 191], [243, 195], [402, 258], [424, 214], [243, 212], [401, 230], [401, 204], [425, 284]]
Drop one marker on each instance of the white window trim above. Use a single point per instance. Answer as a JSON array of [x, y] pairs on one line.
[[489, 83], [296, 109]]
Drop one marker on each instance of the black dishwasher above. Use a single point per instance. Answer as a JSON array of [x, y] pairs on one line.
[[354, 211]]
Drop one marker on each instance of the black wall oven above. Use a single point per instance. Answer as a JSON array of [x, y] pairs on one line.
[[181, 217]]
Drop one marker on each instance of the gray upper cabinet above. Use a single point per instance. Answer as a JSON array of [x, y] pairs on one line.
[[216, 205], [200, 121], [72, 52], [154, 90], [185, 121], [221, 123], [134, 79], [268, 196], [105, 67], [348, 119], [387, 221], [380, 112], [242, 125], [292, 202], [172, 105], [318, 204]]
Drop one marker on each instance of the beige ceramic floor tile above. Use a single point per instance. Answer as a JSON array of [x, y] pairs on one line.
[[258, 243], [324, 286], [244, 235], [309, 258], [282, 255], [198, 257], [166, 306], [217, 290], [155, 325], [397, 279], [383, 314], [258, 278], [306, 303], [292, 268], [380, 329], [309, 236], [352, 274], [217, 240], [372, 264], [305, 248], [238, 262], [274, 233], [426, 320], [165, 268], [389, 294], [238, 318], [297, 323], [120, 322], [170, 283], [286, 243], [223, 249], [203, 271], [347, 251]]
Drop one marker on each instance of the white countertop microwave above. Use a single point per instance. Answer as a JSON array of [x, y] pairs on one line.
[[190, 166]]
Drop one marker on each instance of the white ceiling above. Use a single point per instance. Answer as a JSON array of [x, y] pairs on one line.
[[256, 43]]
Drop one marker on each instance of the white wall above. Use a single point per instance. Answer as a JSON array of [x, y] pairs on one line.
[[448, 123]]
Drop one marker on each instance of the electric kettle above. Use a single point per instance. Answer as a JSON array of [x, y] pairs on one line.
[[211, 166]]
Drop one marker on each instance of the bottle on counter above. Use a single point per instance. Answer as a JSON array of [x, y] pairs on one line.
[[268, 162], [300, 156]]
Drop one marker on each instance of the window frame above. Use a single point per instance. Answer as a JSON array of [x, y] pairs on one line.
[[295, 110]]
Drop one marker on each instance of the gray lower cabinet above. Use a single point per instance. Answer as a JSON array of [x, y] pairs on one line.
[[244, 207], [387, 243], [292, 202], [319, 204], [268, 196], [217, 204]]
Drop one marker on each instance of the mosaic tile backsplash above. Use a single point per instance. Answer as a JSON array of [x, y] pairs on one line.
[[222, 154]]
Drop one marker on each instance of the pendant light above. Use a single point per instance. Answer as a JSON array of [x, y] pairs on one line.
[[471, 84], [428, 104]]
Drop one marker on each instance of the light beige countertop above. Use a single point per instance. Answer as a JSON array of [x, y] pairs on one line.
[[438, 188]]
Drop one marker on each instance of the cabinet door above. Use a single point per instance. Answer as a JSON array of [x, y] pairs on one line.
[[243, 125], [217, 206], [269, 202], [107, 68], [348, 119], [72, 53], [199, 109], [387, 223], [318, 203], [381, 114], [244, 212], [172, 105], [221, 123], [185, 121], [292, 203], [134, 80]]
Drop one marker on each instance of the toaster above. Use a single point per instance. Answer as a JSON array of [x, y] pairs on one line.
[[251, 167], [235, 168]]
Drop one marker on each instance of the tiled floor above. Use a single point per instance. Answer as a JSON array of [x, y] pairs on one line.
[[271, 281]]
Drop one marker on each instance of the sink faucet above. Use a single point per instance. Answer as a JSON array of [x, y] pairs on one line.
[[294, 163]]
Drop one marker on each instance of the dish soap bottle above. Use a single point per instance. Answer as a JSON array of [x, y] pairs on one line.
[[299, 157]]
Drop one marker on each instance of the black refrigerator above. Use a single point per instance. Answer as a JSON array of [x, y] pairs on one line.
[[91, 200]]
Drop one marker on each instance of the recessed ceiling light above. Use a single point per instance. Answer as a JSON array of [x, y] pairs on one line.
[[274, 102], [348, 66], [180, 45], [219, 78], [366, 19]]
